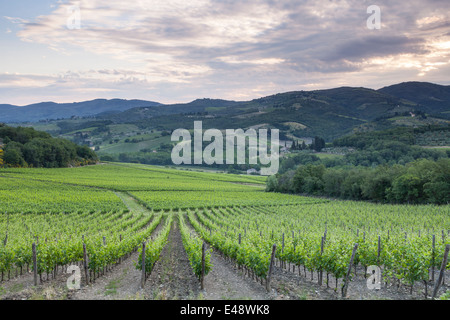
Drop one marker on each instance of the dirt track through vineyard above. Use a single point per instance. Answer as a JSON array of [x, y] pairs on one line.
[[122, 283], [172, 277], [224, 282]]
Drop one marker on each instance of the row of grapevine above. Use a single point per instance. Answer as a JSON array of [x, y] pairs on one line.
[[19, 195], [254, 256], [193, 247], [154, 248], [121, 177], [59, 239], [245, 234]]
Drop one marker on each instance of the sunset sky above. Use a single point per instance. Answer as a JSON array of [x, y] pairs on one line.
[[177, 50]]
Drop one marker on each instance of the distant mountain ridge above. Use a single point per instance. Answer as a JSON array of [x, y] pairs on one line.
[[52, 110], [328, 113], [433, 97]]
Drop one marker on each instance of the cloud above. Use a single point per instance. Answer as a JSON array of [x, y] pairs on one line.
[[376, 46], [16, 20], [176, 49]]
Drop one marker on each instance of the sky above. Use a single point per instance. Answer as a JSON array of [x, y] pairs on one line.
[[173, 51]]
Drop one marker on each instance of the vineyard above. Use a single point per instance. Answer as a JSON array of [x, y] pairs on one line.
[[149, 219]]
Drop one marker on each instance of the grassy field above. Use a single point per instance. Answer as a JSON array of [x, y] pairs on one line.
[[151, 141], [328, 155]]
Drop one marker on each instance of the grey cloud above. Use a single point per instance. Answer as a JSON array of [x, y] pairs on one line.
[[328, 38], [435, 26], [375, 46]]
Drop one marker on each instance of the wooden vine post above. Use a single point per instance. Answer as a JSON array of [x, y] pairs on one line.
[[379, 250], [274, 248], [35, 271], [120, 239], [143, 266], [85, 264], [7, 228], [202, 280], [441, 273], [432, 257], [345, 287], [321, 253]]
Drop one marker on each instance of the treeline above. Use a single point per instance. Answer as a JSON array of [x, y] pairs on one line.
[[26, 147], [421, 181], [163, 158], [160, 158], [384, 166], [393, 146]]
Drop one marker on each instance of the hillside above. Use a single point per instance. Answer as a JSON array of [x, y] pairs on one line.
[[51, 110], [142, 133], [388, 166], [433, 98], [327, 113]]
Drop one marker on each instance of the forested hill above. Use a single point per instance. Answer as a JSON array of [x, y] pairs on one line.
[[50, 110], [329, 113], [26, 147], [429, 96], [396, 165]]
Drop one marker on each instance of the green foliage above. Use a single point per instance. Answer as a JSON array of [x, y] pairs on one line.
[[386, 167], [389, 146], [13, 157], [28, 147], [154, 248], [422, 181], [19, 195], [59, 238], [407, 188], [55, 208], [272, 184], [246, 235], [445, 296], [318, 144], [309, 179], [193, 247]]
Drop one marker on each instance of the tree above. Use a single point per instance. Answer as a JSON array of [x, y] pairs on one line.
[[318, 144], [303, 146], [285, 182], [437, 192], [333, 180], [1, 156], [406, 188], [272, 184], [308, 179], [28, 147], [14, 158], [351, 187], [379, 180], [287, 164]]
